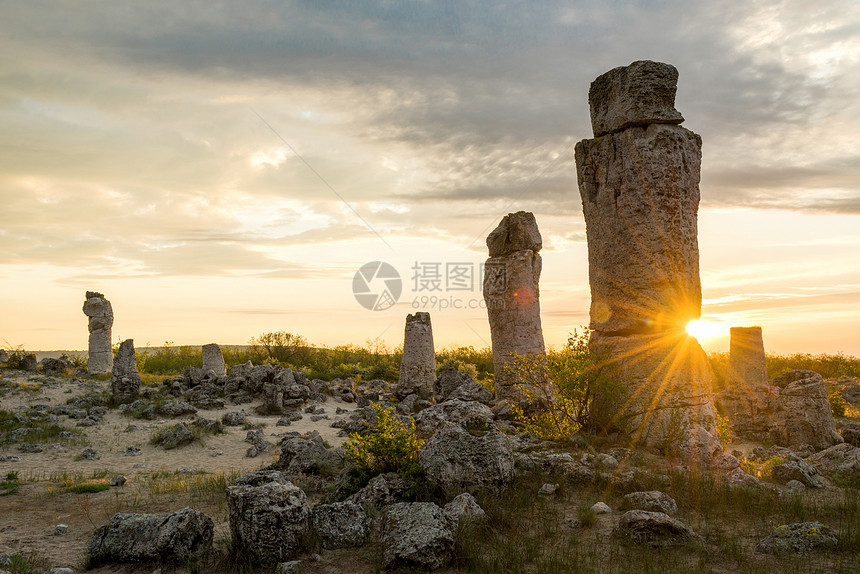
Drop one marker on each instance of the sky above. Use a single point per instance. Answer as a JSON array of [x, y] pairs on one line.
[[223, 169]]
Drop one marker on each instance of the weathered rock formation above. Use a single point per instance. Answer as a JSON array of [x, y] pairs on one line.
[[213, 360], [418, 366], [176, 536], [125, 378], [417, 535], [512, 295], [639, 182], [747, 395], [269, 521], [802, 413], [100, 314]]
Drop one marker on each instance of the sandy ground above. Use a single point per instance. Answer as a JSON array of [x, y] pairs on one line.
[[29, 518]]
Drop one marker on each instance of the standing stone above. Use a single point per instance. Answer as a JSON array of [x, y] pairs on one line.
[[125, 379], [418, 366], [748, 396], [512, 295], [213, 360], [100, 314], [639, 183]]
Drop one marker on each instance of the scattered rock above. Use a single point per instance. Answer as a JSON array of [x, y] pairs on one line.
[[798, 470], [340, 525], [118, 480], [841, 458], [417, 535], [803, 413], [60, 529], [601, 508], [654, 529], [88, 454], [464, 507], [178, 437], [547, 489], [177, 536], [652, 500], [458, 461], [234, 419], [268, 521], [798, 538], [291, 567], [132, 451], [28, 448], [468, 414], [177, 409]]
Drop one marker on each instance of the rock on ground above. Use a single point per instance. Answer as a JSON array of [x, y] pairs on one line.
[[654, 528], [803, 414], [418, 535], [651, 500], [798, 538], [458, 461], [340, 525], [177, 536], [268, 522], [463, 413]]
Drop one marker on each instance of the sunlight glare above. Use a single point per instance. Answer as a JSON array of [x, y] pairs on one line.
[[702, 329]]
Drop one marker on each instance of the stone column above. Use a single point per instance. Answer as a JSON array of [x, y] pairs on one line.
[[418, 366], [512, 295], [747, 396], [100, 314], [125, 378], [639, 183], [213, 360]]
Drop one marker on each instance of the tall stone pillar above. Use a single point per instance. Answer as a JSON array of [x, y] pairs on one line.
[[512, 295], [418, 366], [639, 183], [100, 314]]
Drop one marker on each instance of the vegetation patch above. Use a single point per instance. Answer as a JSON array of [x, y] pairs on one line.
[[10, 483]]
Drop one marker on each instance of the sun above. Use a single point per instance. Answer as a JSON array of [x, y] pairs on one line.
[[702, 329]]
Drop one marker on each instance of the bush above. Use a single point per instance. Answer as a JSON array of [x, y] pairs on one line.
[[391, 447], [725, 431], [557, 393]]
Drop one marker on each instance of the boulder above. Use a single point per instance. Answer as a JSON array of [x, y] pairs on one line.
[[469, 414], [652, 500], [381, 491], [340, 525], [472, 391], [798, 538], [179, 436], [177, 409], [417, 535], [841, 458], [803, 414], [307, 455], [458, 461], [269, 522], [448, 381], [176, 536], [798, 470], [654, 529], [233, 419], [464, 508]]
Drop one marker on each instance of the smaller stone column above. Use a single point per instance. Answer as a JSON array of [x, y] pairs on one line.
[[100, 314], [418, 366], [512, 295], [213, 360], [747, 396], [125, 378]]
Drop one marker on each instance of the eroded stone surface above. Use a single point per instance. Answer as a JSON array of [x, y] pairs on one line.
[[418, 366], [125, 379], [747, 396], [639, 183], [418, 535], [803, 414], [213, 360], [512, 294], [176, 536], [640, 94], [100, 314]]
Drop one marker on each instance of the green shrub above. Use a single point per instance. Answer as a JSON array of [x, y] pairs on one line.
[[557, 393], [90, 487], [10, 483], [391, 447]]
